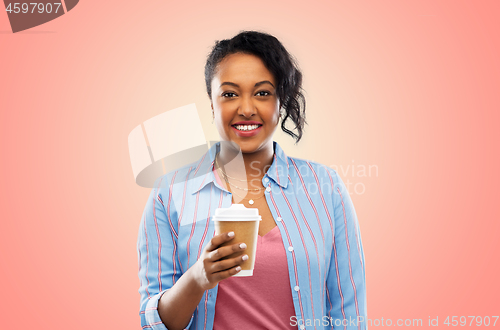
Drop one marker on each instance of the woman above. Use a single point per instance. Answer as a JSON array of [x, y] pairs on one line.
[[309, 271]]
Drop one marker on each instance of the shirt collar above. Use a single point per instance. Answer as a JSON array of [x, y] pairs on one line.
[[203, 171], [279, 168]]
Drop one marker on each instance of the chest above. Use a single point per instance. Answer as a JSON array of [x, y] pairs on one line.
[[305, 227], [267, 223]]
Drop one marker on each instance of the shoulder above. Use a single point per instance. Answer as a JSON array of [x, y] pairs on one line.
[[169, 187], [311, 170], [180, 175]]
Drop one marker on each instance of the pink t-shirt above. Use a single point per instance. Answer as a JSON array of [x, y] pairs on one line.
[[261, 301]]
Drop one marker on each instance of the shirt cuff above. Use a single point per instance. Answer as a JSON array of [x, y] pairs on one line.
[[152, 316]]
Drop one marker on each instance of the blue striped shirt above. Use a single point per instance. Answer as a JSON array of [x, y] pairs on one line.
[[317, 221]]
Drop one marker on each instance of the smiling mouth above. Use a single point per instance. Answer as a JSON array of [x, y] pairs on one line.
[[246, 128]]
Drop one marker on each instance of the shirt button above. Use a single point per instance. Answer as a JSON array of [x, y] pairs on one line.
[[279, 219], [302, 326], [266, 180], [290, 248], [268, 189], [296, 288]]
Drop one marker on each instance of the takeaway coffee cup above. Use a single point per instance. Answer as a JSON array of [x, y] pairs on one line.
[[245, 224]]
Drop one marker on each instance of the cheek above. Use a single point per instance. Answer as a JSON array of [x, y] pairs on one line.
[[223, 117], [218, 105], [272, 112]]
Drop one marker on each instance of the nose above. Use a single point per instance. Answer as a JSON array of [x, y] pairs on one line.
[[247, 107]]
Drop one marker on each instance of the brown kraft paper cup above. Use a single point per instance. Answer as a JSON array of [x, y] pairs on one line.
[[244, 222]]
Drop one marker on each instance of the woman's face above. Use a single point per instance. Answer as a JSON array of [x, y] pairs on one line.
[[244, 102]]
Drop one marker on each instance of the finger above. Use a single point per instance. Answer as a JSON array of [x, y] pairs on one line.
[[226, 251], [219, 276], [218, 240], [228, 263]]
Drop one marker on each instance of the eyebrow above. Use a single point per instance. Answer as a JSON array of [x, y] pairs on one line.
[[256, 85]]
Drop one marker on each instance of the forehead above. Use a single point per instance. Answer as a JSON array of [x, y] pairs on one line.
[[242, 67]]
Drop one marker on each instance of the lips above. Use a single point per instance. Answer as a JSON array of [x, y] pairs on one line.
[[249, 132], [245, 127], [248, 122]]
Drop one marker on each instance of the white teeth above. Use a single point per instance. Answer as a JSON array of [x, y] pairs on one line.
[[246, 127]]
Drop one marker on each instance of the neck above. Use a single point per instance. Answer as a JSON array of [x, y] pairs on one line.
[[245, 166]]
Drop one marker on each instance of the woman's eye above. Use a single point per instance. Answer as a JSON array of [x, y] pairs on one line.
[[228, 94], [263, 93]]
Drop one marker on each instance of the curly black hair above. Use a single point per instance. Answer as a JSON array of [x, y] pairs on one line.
[[278, 61]]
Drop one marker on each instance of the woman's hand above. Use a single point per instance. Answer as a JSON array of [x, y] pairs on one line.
[[210, 268]]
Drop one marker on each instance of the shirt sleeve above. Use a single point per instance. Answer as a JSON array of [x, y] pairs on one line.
[[346, 280], [159, 268]]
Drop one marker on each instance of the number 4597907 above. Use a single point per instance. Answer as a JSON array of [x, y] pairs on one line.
[[41, 8], [474, 321]]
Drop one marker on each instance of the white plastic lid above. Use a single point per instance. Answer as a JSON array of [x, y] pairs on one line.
[[237, 212]]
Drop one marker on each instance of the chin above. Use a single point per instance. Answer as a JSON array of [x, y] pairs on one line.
[[250, 146]]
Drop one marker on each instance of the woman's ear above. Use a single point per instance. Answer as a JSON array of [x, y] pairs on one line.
[[213, 114]]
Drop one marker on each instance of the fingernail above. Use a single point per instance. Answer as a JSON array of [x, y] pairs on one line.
[[243, 246], [230, 234], [245, 257], [238, 268]]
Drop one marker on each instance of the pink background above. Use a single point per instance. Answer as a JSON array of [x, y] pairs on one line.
[[409, 87]]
